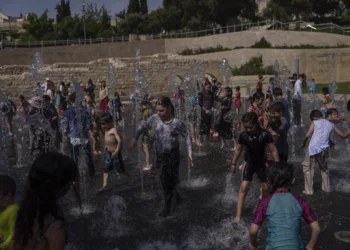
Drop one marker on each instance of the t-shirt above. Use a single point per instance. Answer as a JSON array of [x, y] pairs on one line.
[[7, 225], [283, 212], [255, 152], [320, 137]]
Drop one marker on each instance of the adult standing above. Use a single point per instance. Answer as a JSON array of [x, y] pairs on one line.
[[103, 97], [297, 98]]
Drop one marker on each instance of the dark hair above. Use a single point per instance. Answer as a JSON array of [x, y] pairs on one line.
[[315, 114], [90, 81], [38, 84], [280, 175], [250, 117], [166, 102], [106, 118], [275, 123], [62, 83], [238, 88], [72, 97], [50, 173], [332, 111], [258, 95], [207, 83], [303, 76], [116, 93], [58, 92], [277, 107], [22, 97], [277, 92], [7, 185], [46, 98], [325, 90], [229, 92]]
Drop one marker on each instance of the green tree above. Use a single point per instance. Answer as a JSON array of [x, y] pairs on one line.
[[134, 23], [38, 28], [249, 8], [133, 7], [165, 19], [143, 6], [169, 3], [345, 18], [323, 7], [63, 10]]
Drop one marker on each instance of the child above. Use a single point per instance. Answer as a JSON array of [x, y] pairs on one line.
[[277, 109], [238, 103], [8, 210], [113, 152], [115, 107], [273, 128], [255, 139], [9, 110], [166, 129], [327, 100], [58, 100], [95, 135], [283, 212], [320, 130]]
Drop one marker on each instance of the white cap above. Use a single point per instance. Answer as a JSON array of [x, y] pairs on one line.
[[47, 79]]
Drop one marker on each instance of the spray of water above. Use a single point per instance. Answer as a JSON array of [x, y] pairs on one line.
[[225, 68], [197, 183], [276, 72], [112, 81], [158, 245]]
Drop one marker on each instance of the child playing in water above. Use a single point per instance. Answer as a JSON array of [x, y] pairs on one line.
[[147, 137], [95, 135], [166, 129], [113, 152], [283, 212], [8, 210], [327, 100], [116, 106], [273, 127], [320, 130], [255, 139]]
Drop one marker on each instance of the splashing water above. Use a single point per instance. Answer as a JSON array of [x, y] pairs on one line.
[[84, 210], [227, 235], [226, 70], [276, 71], [112, 82], [158, 245], [196, 183]]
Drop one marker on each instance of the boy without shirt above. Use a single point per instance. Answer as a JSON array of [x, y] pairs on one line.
[[113, 155]]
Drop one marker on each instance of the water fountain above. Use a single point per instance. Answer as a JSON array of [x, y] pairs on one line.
[[173, 91], [111, 89], [276, 72], [225, 68]]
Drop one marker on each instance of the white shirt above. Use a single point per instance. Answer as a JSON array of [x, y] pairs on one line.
[[320, 138], [298, 93], [50, 93], [44, 86]]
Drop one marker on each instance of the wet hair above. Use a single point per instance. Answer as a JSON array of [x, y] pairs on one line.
[[46, 98], [315, 114], [250, 117], [277, 107], [277, 92], [325, 90], [280, 175], [106, 118], [166, 103], [7, 185], [238, 88], [258, 95], [229, 92], [275, 123], [50, 174], [332, 111]]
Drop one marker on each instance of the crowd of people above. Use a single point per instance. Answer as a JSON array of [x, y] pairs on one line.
[[61, 117]]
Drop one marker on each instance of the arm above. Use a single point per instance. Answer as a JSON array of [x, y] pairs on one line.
[[274, 152], [253, 235], [139, 131], [315, 228], [237, 153], [117, 137], [184, 132], [308, 134], [341, 134]]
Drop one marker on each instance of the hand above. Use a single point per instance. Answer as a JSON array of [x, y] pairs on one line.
[[233, 167], [308, 247], [105, 149], [114, 155], [132, 144], [206, 111]]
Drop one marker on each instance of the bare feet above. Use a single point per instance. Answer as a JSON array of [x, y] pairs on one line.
[[307, 193]]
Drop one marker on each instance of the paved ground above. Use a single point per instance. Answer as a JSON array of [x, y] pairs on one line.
[[125, 219]]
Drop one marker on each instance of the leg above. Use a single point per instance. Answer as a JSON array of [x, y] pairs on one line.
[[243, 190], [308, 169], [322, 160], [105, 182], [9, 124], [146, 150]]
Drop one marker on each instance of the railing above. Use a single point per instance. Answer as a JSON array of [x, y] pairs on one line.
[[264, 25]]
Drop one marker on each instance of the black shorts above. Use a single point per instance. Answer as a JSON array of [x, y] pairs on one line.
[[250, 169]]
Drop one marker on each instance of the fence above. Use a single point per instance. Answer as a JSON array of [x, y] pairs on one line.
[[265, 25]]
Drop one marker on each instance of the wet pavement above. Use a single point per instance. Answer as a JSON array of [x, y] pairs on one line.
[[123, 218]]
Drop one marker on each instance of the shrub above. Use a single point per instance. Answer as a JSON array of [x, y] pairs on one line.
[[254, 66], [262, 43], [188, 52]]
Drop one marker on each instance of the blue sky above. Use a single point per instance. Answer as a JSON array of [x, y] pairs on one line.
[[15, 7]]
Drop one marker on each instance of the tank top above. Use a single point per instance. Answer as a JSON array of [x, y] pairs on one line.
[[320, 138]]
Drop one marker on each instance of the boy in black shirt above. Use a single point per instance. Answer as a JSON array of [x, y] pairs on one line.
[[255, 139]]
